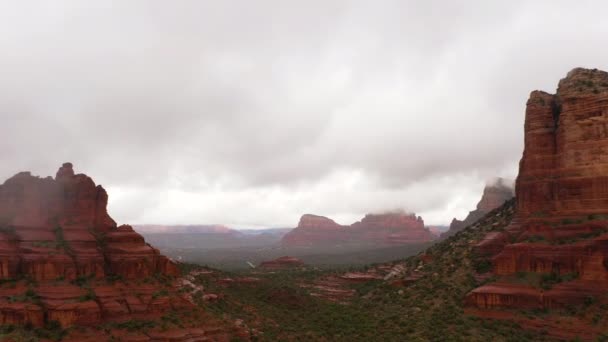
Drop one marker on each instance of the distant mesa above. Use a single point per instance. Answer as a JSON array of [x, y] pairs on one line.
[[282, 263], [374, 229], [314, 230], [560, 228], [494, 195]]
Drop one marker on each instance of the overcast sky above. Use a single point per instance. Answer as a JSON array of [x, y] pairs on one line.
[[252, 112]]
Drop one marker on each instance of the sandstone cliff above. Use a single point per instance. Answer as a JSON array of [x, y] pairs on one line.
[[64, 260], [559, 234]]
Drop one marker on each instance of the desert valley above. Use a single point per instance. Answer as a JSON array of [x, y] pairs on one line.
[[303, 171]]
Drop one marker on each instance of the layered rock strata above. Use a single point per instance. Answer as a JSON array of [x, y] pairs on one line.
[[63, 258], [560, 230]]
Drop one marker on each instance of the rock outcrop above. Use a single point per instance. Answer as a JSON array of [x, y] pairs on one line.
[[494, 195], [69, 262], [59, 228], [560, 229], [281, 263], [373, 229], [314, 230]]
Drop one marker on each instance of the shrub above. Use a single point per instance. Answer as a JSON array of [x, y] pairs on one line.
[[482, 265], [90, 295]]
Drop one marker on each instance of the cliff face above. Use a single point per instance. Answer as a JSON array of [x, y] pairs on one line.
[[60, 228], [69, 261], [563, 168], [392, 228], [560, 228], [378, 229], [494, 195]]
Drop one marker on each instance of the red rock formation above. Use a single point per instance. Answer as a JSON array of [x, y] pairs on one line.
[[313, 230], [60, 229], [391, 228], [282, 263], [494, 195], [562, 170], [69, 261], [375, 229], [562, 200]]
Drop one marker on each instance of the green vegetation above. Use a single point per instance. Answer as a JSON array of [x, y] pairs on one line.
[[89, 295], [8, 283], [160, 293], [30, 296], [100, 237], [593, 217], [83, 280], [51, 331], [547, 281], [481, 265], [581, 237], [572, 221], [535, 238], [170, 319], [132, 325], [44, 244], [113, 278]]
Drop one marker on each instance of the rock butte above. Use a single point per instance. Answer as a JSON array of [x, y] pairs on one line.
[[494, 195], [560, 226], [68, 260], [379, 229]]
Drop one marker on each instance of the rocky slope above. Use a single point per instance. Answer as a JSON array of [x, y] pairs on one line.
[[373, 229], [64, 262], [554, 254], [494, 195]]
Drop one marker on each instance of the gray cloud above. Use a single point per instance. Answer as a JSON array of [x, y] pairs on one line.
[[254, 112]]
